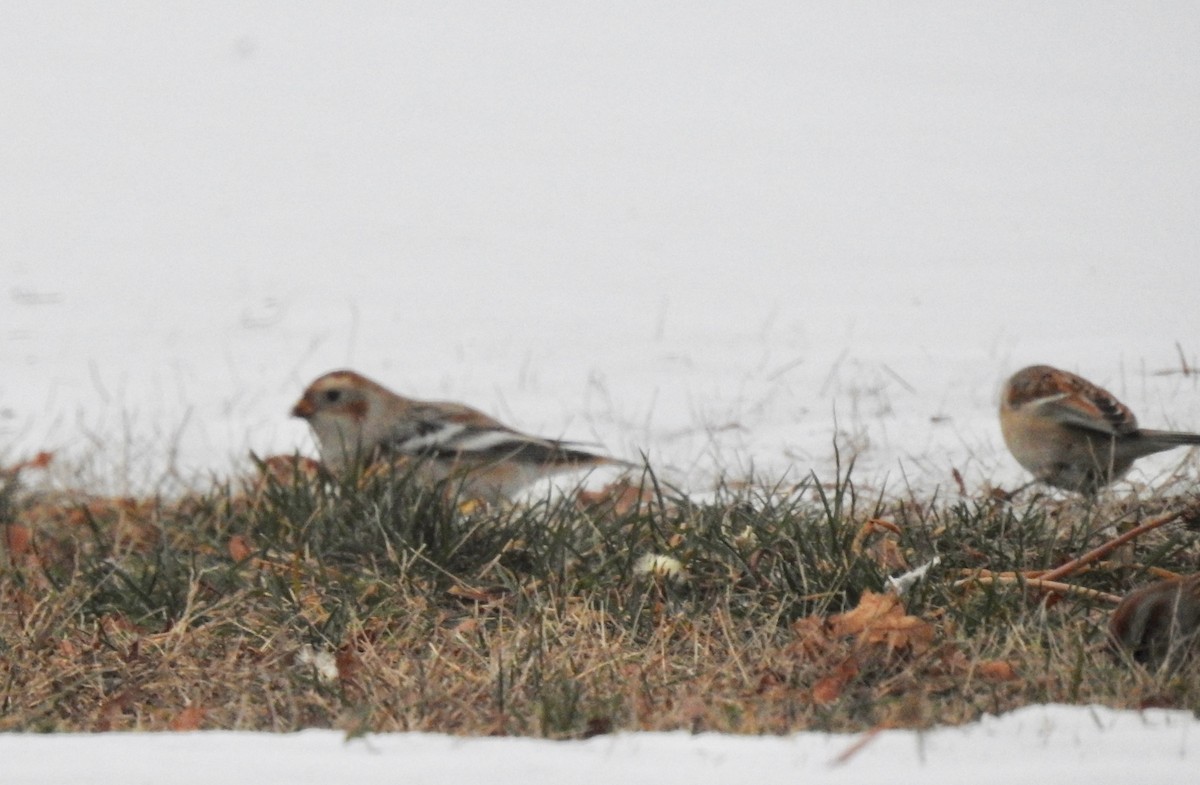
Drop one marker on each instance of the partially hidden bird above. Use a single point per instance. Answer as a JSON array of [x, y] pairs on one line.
[[358, 421]]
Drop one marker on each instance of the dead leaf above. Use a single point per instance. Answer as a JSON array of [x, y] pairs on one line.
[[467, 626], [349, 663], [622, 496], [829, 687], [287, 469], [886, 552], [812, 638], [958, 480], [114, 706], [485, 595], [880, 619], [239, 548], [17, 539], [770, 682], [996, 670], [40, 461], [188, 719]]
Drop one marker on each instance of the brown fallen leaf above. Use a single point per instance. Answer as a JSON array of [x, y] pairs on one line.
[[18, 540], [239, 548], [622, 496], [811, 638], [349, 663], [188, 719], [485, 594], [287, 469], [40, 461], [881, 619], [996, 670], [829, 687], [886, 553]]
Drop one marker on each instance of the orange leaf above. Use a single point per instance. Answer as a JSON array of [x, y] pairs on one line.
[[812, 638], [886, 552], [17, 539], [188, 719], [39, 461], [829, 687], [623, 496], [827, 690], [872, 610], [997, 670], [348, 663], [880, 619], [239, 548], [286, 468]]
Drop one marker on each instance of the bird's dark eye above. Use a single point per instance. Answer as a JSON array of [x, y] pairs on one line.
[[332, 396]]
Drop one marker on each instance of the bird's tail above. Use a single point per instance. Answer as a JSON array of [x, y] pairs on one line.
[[1169, 438]]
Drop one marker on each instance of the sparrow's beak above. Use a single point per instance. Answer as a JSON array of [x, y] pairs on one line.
[[304, 408]]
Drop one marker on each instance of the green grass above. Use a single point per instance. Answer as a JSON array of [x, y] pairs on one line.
[[205, 611]]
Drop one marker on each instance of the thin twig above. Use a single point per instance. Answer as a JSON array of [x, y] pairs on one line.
[[1043, 585], [1100, 552], [857, 746]]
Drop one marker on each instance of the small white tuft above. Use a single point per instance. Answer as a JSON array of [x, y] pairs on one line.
[[656, 565], [323, 662], [903, 583]]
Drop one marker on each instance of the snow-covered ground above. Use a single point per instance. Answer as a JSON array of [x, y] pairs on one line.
[[722, 234], [1058, 743]]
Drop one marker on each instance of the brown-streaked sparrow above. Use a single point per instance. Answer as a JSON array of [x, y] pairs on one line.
[[1073, 434]]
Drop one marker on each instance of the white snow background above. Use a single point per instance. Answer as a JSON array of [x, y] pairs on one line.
[[719, 233]]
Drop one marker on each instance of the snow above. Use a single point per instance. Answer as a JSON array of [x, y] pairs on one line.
[[1096, 745], [724, 235], [718, 235]]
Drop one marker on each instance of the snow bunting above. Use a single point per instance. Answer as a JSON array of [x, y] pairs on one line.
[[1073, 434], [1158, 621], [358, 420]]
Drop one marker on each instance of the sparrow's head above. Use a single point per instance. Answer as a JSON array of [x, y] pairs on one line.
[[1035, 383], [339, 394], [1068, 399]]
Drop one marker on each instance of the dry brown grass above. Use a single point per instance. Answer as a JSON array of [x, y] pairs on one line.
[[374, 606]]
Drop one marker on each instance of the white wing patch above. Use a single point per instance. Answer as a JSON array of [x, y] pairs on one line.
[[442, 438], [482, 441], [1045, 400]]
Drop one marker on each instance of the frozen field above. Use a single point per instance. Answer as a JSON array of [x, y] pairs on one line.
[[725, 236], [720, 236]]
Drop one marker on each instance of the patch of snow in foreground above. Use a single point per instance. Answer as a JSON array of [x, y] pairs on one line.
[[1095, 744]]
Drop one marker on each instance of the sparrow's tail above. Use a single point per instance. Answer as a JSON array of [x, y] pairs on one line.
[[1165, 440]]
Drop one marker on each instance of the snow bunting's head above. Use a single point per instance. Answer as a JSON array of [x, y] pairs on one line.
[[336, 394], [341, 408]]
